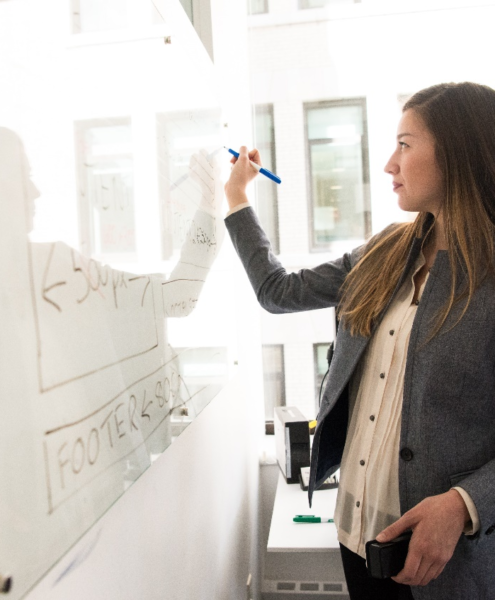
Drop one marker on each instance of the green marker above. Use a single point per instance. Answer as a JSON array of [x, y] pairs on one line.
[[311, 519]]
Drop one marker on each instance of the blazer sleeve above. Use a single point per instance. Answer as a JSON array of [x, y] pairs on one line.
[[479, 486], [278, 291]]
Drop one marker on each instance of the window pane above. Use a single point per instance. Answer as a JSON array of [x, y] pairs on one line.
[[266, 190], [179, 135], [256, 7], [335, 122], [336, 160], [106, 187], [273, 378]]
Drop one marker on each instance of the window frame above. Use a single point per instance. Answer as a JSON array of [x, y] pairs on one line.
[[268, 109], [87, 232], [269, 423]]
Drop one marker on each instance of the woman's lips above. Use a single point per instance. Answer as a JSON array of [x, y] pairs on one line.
[[396, 185]]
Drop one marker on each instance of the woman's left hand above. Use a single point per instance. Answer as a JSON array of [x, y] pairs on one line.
[[437, 524]]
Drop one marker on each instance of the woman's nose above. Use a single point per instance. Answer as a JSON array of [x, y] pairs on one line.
[[391, 167]]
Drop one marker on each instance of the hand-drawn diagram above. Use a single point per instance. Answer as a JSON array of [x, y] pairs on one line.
[[98, 315], [78, 452], [115, 318]]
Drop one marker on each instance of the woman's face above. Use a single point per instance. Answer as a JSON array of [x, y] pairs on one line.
[[417, 178]]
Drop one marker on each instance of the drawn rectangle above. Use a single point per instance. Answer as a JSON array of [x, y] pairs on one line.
[[98, 316]]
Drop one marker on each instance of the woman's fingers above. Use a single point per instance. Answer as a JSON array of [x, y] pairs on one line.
[[241, 174], [254, 155]]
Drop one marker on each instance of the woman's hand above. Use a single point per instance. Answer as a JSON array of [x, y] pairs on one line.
[[242, 174], [437, 523]]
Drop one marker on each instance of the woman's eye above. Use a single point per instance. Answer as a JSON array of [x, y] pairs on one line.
[[403, 145]]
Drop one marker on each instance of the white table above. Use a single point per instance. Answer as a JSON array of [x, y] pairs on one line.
[[287, 536], [302, 559]]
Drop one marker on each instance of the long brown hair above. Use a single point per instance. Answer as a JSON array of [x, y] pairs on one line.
[[461, 118]]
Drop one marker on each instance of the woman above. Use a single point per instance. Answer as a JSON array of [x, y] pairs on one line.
[[409, 406]]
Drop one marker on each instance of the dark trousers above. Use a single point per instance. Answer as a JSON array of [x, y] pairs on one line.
[[363, 587]]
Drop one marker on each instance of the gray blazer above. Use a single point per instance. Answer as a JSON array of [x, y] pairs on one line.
[[448, 414]]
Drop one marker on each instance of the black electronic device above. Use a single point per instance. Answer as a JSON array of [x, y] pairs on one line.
[[291, 441], [386, 559]]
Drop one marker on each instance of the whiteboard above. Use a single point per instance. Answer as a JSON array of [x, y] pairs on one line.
[[117, 322]]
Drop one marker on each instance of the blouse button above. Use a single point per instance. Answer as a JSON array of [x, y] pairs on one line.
[[392, 331], [372, 417], [358, 504], [361, 462], [382, 375], [417, 302]]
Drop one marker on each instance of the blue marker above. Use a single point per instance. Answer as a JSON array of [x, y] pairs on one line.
[[262, 170]]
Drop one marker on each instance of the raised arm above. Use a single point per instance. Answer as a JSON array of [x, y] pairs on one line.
[[276, 290]]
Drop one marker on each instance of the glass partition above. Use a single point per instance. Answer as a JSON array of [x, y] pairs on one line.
[[116, 310]]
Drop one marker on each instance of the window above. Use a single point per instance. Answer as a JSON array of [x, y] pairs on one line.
[[257, 7], [180, 134], [266, 190], [106, 187], [338, 172], [320, 3], [98, 15], [273, 381]]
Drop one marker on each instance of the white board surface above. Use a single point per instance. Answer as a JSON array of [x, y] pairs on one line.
[[116, 324]]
